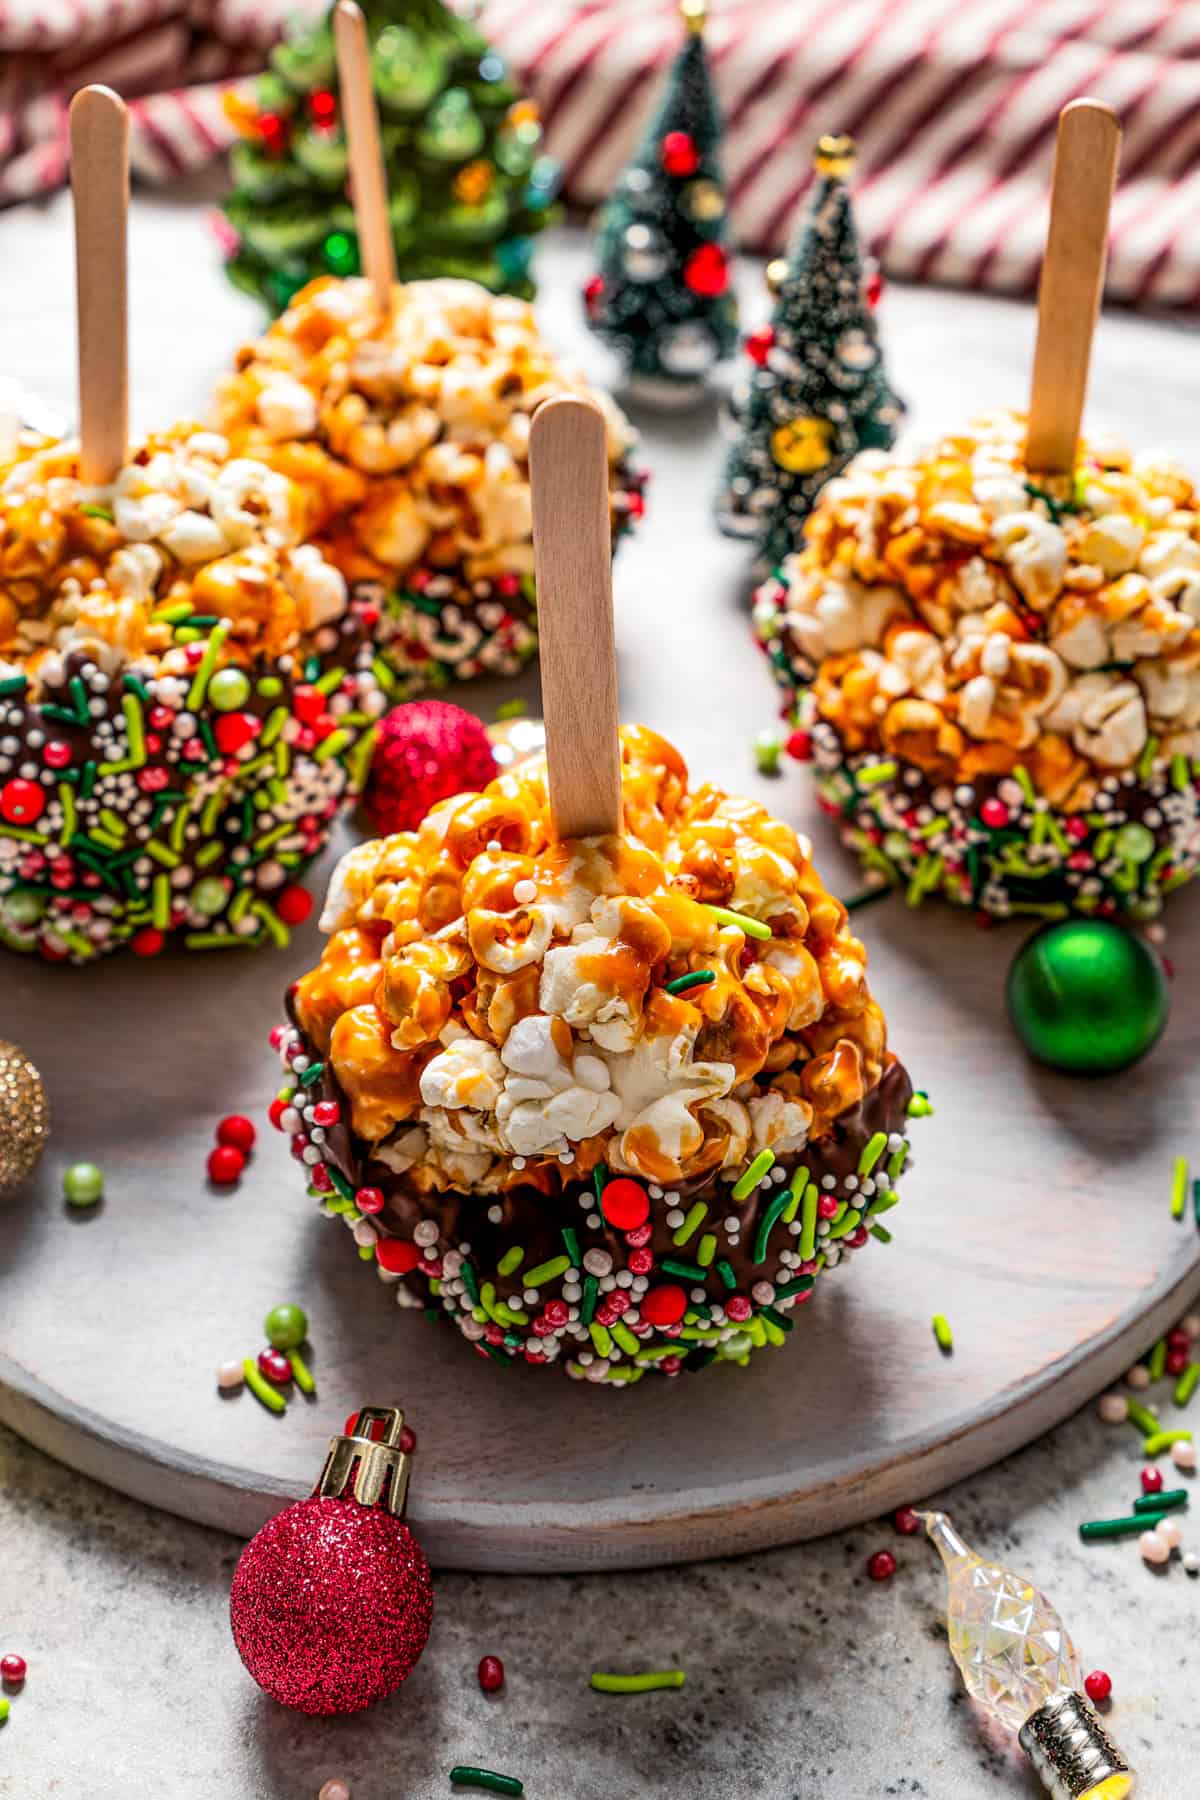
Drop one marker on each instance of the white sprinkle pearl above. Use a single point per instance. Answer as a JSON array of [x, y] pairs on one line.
[[364, 1232], [1191, 1562], [1183, 1455], [425, 1233], [524, 892], [598, 1262], [230, 1375], [763, 1293], [1138, 1376], [1170, 1532], [1191, 1324], [1154, 1548], [1113, 1408], [496, 1214]]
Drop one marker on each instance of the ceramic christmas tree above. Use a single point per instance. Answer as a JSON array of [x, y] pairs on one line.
[[818, 391], [468, 184], [663, 295]]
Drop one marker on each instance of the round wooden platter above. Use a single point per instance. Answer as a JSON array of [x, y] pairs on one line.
[[1035, 1215]]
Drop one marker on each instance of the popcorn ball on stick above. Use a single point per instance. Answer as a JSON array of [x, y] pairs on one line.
[[590, 1061], [992, 647], [426, 391], [186, 696]]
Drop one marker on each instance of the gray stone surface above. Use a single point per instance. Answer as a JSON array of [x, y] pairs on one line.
[[805, 1679]]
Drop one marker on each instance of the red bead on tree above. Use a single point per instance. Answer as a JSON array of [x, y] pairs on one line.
[[678, 154], [273, 130], [706, 271], [758, 344], [873, 289], [322, 104]]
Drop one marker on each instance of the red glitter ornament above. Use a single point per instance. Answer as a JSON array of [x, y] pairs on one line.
[[332, 1600], [706, 271], [1097, 1686], [425, 752], [678, 154], [758, 344]]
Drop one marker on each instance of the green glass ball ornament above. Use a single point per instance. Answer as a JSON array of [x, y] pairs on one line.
[[1087, 997], [286, 1326]]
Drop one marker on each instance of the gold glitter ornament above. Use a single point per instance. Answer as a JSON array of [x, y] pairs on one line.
[[24, 1116], [835, 156], [802, 445]]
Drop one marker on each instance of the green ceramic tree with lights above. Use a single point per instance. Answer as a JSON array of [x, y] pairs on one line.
[[469, 185], [662, 295]]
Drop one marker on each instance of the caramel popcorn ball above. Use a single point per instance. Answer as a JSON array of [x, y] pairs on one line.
[[431, 406], [998, 678], [619, 1100]]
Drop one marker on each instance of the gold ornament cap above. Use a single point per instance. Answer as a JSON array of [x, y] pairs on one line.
[[694, 14], [24, 1116], [835, 155], [1073, 1754], [373, 1471]]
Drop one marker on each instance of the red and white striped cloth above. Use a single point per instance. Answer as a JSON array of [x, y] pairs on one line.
[[953, 103]]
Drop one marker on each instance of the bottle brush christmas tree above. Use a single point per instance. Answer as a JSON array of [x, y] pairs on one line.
[[468, 183], [662, 296], [818, 391]]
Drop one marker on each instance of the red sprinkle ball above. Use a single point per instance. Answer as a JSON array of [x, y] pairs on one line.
[[624, 1204], [13, 1669], [1097, 1686], [906, 1521], [236, 1130], [1151, 1479], [881, 1566], [425, 752], [491, 1674], [275, 1365], [225, 1165]]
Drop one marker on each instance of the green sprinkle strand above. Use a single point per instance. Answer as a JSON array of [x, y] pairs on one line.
[[512, 709], [919, 1107], [637, 1684], [1171, 1501], [591, 1295], [874, 774], [882, 1233], [849, 1221], [547, 1271], [1162, 1440], [261, 1388], [746, 1183], [1186, 1386], [625, 1338], [313, 1073], [302, 1373], [697, 978], [1179, 1184], [160, 901], [599, 1177], [512, 1259], [869, 897], [752, 927], [600, 1338], [207, 664], [1157, 1361], [1094, 1530], [686, 1271], [808, 1224], [943, 1333], [767, 1223], [467, 1775], [695, 1218], [707, 1249], [872, 1150], [571, 1244], [725, 1271], [1142, 1418]]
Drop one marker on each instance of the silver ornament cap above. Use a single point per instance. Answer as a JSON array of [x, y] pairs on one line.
[[1073, 1754]]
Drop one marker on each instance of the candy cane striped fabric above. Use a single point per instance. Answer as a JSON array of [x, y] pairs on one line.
[[953, 106]]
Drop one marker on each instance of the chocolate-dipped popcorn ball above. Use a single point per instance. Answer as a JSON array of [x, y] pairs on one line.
[[186, 695], [997, 678], [613, 1102], [431, 405]]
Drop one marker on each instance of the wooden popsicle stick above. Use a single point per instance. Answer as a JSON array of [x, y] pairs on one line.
[[568, 470], [1069, 294], [368, 177], [100, 188]]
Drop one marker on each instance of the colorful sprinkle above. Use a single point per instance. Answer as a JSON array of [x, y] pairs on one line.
[[943, 1333], [605, 1683], [467, 1775]]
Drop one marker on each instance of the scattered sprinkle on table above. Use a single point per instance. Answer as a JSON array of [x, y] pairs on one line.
[[907, 1521], [1162, 1440], [261, 1388], [1097, 1530], [637, 1684], [464, 1775], [491, 1674], [231, 1375], [83, 1184], [5, 1709], [881, 1566], [1179, 1187], [1151, 1479], [1097, 1686], [1138, 1415], [943, 1333], [1170, 1501], [1185, 1387], [13, 1669]]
